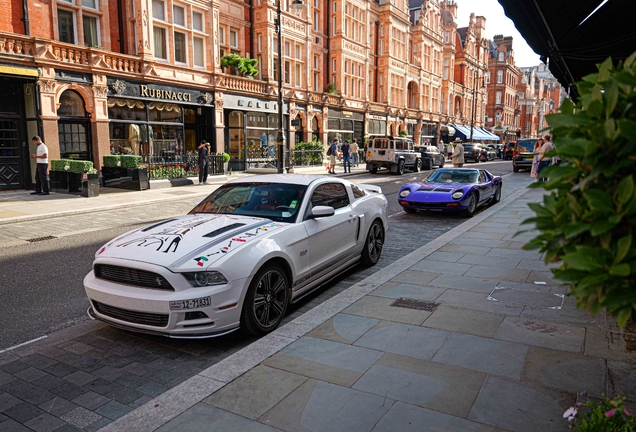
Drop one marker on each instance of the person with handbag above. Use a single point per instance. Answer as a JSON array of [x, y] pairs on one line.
[[544, 161], [534, 171]]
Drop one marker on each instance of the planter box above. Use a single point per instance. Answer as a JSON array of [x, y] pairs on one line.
[[90, 186], [74, 182], [58, 181], [126, 178]]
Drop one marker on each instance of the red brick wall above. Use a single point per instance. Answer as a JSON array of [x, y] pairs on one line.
[[41, 20], [10, 15], [114, 26]]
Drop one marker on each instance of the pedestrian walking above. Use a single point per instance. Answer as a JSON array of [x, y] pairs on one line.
[[346, 155], [534, 171], [333, 154], [204, 161], [42, 166], [458, 156], [355, 156], [449, 150], [544, 161], [440, 147]]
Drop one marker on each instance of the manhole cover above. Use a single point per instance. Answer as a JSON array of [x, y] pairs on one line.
[[535, 299], [37, 239], [415, 304]]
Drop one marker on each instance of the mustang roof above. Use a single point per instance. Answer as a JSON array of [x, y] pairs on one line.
[[302, 179]]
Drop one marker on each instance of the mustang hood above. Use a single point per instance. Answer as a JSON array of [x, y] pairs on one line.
[[197, 240]]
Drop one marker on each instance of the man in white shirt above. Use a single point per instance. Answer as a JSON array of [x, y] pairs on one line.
[[42, 156], [355, 156]]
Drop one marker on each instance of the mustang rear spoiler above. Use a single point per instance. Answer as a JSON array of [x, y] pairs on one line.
[[370, 188]]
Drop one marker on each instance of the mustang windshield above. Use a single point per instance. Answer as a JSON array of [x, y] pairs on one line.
[[276, 201], [453, 176]]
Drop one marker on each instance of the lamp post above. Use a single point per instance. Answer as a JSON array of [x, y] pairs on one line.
[[283, 147], [472, 117]]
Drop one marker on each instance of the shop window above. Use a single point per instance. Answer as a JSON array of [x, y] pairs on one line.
[[66, 26], [236, 119], [159, 10], [199, 50], [126, 109], [197, 21], [91, 31], [179, 16], [180, 47], [189, 116], [72, 138], [164, 112], [159, 35], [71, 105]]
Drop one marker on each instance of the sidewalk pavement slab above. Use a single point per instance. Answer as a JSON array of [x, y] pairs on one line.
[[466, 321], [542, 333]]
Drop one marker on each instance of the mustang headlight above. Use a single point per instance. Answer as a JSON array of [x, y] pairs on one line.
[[201, 279], [405, 193], [458, 194]]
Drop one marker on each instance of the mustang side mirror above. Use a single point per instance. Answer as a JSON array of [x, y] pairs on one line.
[[321, 211]]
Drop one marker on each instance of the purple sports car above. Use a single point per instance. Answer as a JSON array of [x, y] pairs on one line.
[[451, 189]]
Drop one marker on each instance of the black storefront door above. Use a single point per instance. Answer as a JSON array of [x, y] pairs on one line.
[[12, 166]]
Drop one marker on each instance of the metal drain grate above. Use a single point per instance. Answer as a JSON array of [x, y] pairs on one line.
[[415, 304], [37, 239]]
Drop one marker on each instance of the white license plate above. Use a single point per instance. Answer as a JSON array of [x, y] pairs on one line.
[[528, 159], [190, 304]]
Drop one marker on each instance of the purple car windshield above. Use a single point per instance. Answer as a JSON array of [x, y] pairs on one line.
[[453, 176]]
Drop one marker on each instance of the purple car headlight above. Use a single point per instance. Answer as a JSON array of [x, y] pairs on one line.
[[458, 194], [404, 193]]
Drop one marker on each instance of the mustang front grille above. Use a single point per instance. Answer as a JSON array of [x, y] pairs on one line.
[[132, 276], [145, 318]]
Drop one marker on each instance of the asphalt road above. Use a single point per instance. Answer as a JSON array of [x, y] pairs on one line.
[[42, 282]]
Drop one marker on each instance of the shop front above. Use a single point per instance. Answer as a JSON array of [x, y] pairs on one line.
[[345, 125], [376, 125], [162, 124], [18, 123], [251, 132]]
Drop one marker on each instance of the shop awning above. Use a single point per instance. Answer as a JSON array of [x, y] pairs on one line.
[[490, 135], [575, 34], [479, 134]]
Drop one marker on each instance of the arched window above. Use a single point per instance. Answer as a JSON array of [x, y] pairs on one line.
[[71, 105]]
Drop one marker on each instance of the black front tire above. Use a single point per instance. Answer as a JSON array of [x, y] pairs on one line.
[[418, 165], [429, 165], [441, 165], [472, 206], [266, 300], [373, 245], [515, 169], [497, 197], [373, 169], [400, 168]]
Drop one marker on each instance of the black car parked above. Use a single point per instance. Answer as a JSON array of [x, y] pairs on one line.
[[475, 153], [508, 150], [431, 156]]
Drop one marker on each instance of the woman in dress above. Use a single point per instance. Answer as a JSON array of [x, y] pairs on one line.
[[534, 171]]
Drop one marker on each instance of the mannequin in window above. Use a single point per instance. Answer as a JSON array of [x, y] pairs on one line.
[[146, 136], [134, 138]]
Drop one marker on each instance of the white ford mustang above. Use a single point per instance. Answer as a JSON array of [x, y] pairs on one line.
[[239, 257]]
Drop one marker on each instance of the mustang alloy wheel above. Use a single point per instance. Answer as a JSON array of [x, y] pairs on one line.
[[472, 206], [373, 246], [266, 300]]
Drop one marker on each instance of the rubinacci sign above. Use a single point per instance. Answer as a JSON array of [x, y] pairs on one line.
[[152, 93]]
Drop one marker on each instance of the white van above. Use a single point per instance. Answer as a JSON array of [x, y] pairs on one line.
[[394, 153]]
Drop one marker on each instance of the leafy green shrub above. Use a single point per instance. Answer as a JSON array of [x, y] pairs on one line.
[[112, 161], [309, 153], [331, 89], [609, 414], [130, 161], [80, 166], [59, 164], [226, 157], [403, 133], [246, 66], [587, 222]]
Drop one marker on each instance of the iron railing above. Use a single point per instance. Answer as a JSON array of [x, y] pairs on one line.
[[171, 165]]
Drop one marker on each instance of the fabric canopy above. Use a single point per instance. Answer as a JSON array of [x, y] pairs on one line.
[[479, 134], [575, 34], [491, 136]]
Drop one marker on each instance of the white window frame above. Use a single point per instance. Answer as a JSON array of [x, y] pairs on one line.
[[75, 26], [165, 12], [194, 38], [499, 76], [202, 15], [98, 29], [185, 52], [235, 31], [498, 98], [185, 15], [165, 41]]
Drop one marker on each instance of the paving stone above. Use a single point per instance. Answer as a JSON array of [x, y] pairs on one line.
[[464, 249], [445, 256], [468, 321], [415, 277], [608, 345], [27, 392], [48, 382], [343, 328], [30, 374], [622, 377], [8, 401], [108, 373], [521, 407], [160, 376], [464, 283], [408, 418], [14, 367], [61, 370], [483, 354], [480, 243], [5, 377], [507, 253], [131, 381], [477, 301], [332, 354], [401, 290], [526, 298], [98, 425], [45, 423], [256, 392], [69, 391], [440, 387], [501, 273], [306, 408], [101, 386], [566, 371], [68, 428], [508, 262], [80, 378], [69, 358], [124, 395], [116, 361], [542, 333], [380, 308], [23, 412], [78, 348], [141, 401], [57, 406], [402, 339], [80, 417], [538, 276], [431, 266], [152, 389], [113, 410], [204, 418], [91, 400]]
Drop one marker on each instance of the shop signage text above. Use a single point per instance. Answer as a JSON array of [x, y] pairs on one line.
[[164, 94]]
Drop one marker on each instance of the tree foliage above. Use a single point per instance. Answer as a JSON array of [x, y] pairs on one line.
[[245, 66], [587, 221]]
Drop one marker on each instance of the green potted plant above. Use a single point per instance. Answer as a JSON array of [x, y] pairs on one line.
[[77, 170], [245, 66], [226, 162], [111, 170], [57, 175], [134, 175], [403, 133], [587, 220], [90, 184]]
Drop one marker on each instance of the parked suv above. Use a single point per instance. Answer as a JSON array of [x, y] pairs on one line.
[[394, 153], [523, 155], [508, 150], [431, 156]]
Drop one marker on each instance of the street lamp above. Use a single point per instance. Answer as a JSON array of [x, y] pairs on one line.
[[283, 150], [472, 117]]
